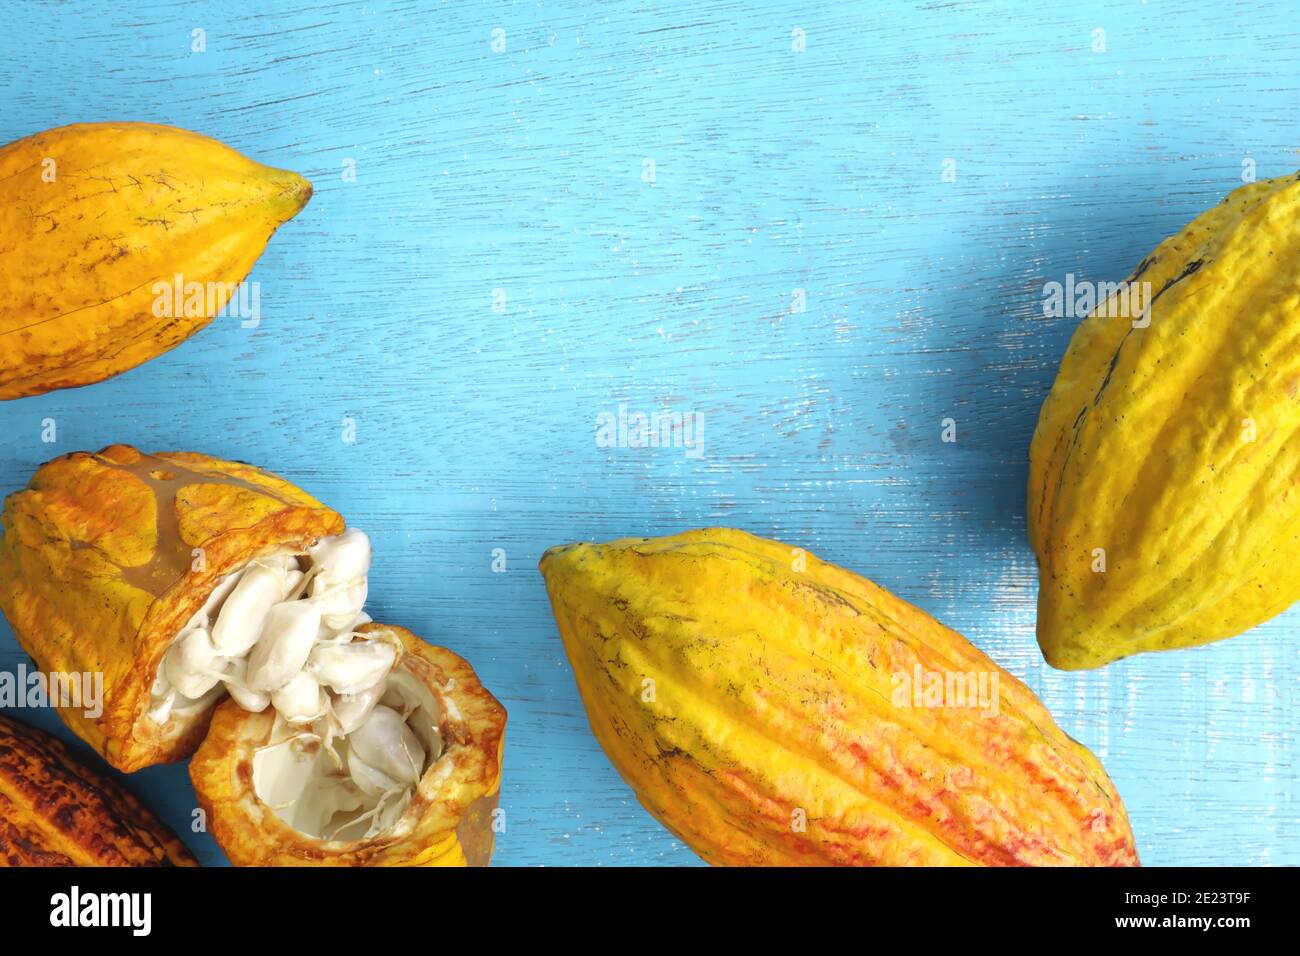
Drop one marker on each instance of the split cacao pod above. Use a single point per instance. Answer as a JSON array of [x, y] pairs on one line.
[[104, 558], [1161, 500], [56, 811], [749, 694], [94, 216]]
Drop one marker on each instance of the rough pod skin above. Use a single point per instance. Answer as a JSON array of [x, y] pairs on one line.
[[1162, 503], [97, 220], [449, 820], [750, 694], [55, 811], [104, 558]]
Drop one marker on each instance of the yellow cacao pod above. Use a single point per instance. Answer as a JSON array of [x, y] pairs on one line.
[[56, 811], [182, 579], [106, 556], [449, 820], [118, 241], [770, 708], [1161, 500]]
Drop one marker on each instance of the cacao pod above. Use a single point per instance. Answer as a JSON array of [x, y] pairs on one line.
[[1160, 501], [118, 241], [763, 706], [105, 557], [56, 811], [448, 820], [182, 577]]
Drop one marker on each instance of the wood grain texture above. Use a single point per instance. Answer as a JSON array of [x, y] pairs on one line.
[[774, 171]]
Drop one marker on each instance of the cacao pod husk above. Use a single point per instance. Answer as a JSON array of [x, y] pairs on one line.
[[749, 693], [104, 557], [57, 811], [1161, 503], [94, 216], [449, 821]]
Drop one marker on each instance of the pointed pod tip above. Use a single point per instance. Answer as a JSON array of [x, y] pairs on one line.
[[554, 555], [299, 191], [303, 189], [290, 193], [1064, 654]]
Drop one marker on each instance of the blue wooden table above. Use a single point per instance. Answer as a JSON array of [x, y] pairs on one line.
[[822, 228]]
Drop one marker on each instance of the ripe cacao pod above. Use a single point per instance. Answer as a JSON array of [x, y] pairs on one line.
[[105, 557], [448, 821], [56, 811], [182, 577], [101, 224], [1160, 501], [763, 706]]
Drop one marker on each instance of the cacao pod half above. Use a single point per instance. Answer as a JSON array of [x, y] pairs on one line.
[[118, 241], [1161, 501], [105, 558], [447, 821], [56, 811], [764, 706]]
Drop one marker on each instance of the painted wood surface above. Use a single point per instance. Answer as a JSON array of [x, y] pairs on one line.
[[625, 204]]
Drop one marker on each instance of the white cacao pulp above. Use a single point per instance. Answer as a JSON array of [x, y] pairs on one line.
[[353, 732], [285, 644]]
